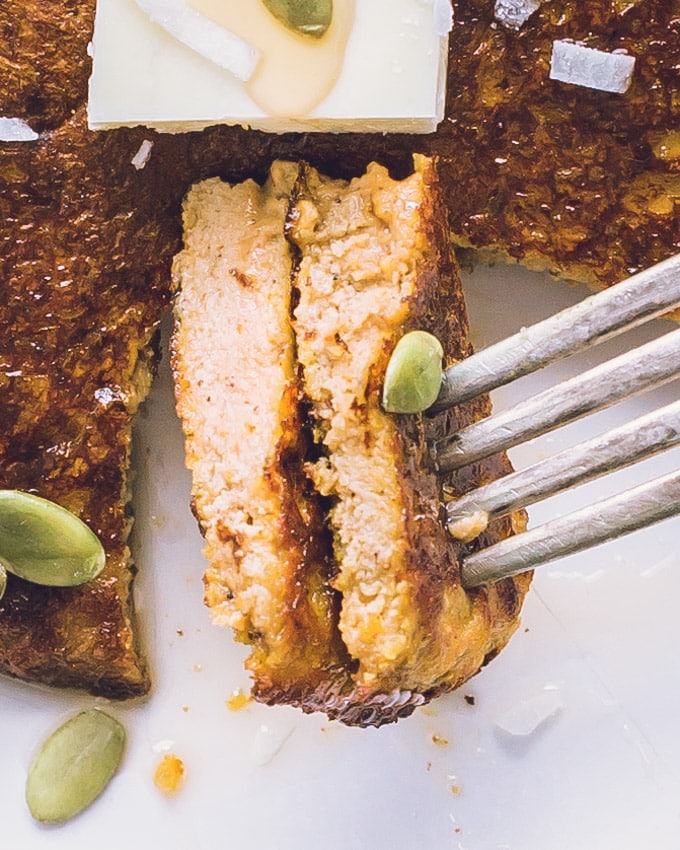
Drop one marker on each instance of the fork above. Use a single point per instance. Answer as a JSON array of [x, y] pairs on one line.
[[638, 299]]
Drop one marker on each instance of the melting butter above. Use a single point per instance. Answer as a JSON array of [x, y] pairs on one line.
[[294, 73], [162, 63]]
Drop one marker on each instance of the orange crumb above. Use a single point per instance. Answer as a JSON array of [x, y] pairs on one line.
[[169, 774], [238, 700], [439, 741]]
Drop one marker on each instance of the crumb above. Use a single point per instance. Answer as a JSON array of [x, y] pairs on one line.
[[185, 708], [169, 774], [439, 741], [198, 668], [469, 699], [238, 700], [455, 789], [428, 766], [469, 527], [180, 632]]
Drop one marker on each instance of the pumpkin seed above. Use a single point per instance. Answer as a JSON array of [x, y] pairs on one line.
[[414, 373], [74, 766], [46, 544], [306, 17]]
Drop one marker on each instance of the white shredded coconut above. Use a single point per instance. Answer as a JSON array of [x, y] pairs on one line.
[[106, 396], [268, 742], [16, 130], [527, 716], [513, 13], [198, 32], [140, 159], [442, 15], [595, 69], [163, 746]]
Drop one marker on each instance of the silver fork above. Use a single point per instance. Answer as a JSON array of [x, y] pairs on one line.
[[632, 302]]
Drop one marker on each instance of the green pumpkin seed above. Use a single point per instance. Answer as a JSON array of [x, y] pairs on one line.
[[46, 544], [74, 766], [306, 17], [414, 373], [3, 580]]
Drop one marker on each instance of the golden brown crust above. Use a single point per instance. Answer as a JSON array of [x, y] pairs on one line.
[[79, 308], [44, 65], [565, 177], [434, 556]]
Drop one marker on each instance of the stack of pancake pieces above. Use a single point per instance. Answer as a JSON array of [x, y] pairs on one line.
[[580, 182]]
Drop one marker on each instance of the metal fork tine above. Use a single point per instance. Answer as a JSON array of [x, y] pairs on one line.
[[606, 520], [617, 448], [649, 365], [632, 302], [637, 299]]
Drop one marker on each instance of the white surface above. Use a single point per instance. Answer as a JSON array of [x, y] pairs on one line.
[[599, 635], [393, 77]]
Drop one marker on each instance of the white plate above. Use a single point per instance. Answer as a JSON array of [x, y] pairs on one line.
[[596, 651]]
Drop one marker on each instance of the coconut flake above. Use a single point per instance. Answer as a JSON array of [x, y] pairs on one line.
[[268, 742], [140, 159], [163, 746], [527, 716], [203, 35], [594, 69], [513, 13], [16, 130], [443, 17]]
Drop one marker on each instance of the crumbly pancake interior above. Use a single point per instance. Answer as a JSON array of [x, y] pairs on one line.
[[321, 513], [369, 267], [237, 396], [357, 276]]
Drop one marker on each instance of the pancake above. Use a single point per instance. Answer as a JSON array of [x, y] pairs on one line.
[[323, 514], [581, 182]]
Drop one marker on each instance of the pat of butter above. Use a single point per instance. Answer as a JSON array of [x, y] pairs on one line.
[[391, 78]]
